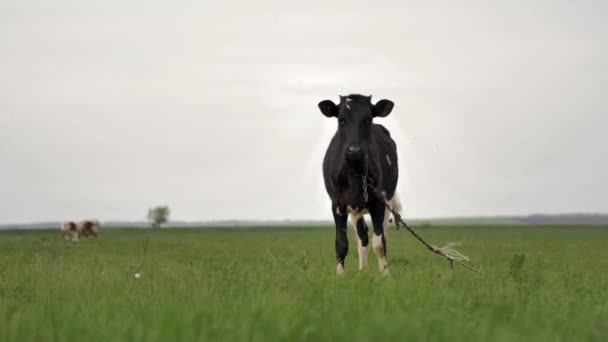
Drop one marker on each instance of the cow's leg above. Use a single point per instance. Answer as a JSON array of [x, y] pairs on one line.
[[340, 219], [96, 235], [378, 213], [362, 238]]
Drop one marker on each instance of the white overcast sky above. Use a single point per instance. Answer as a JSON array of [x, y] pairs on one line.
[[109, 107]]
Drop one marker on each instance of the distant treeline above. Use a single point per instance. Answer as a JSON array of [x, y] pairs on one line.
[[536, 219], [566, 219]]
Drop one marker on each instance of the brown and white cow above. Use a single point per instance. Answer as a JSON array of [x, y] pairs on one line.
[[74, 230]]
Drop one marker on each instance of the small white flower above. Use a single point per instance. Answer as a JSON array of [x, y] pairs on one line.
[[137, 275]]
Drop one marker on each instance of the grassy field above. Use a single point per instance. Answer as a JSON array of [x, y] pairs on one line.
[[542, 284]]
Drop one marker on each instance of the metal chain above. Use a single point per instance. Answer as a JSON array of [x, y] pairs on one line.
[[399, 221], [364, 178]]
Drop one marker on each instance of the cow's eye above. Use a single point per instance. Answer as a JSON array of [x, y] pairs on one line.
[[342, 122], [367, 121]]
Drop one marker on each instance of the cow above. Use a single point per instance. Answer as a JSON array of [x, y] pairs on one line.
[[74, 230], [69, 230], [360, 148], [89, 227]]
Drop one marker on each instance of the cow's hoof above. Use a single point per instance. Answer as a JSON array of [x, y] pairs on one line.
[[339, 269]]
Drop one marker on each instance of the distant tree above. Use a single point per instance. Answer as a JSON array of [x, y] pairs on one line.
[[158, 215]]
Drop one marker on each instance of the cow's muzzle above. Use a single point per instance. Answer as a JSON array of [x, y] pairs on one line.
[[354, 152]]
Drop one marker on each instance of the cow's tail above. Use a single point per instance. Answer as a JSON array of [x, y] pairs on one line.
[[395, 203]]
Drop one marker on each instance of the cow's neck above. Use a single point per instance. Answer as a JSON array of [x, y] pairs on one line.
[[352, 183], [357, 167]]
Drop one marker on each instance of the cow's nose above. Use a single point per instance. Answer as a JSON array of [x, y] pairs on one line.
[[354, 149]]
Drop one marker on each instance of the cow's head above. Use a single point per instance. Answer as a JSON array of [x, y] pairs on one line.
[[355, 114]]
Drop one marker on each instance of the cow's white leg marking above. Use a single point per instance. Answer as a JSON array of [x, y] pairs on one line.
[[379, 251], [339, 269], [363, 250]]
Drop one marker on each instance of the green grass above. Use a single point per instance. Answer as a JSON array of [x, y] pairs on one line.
[[542, 284]]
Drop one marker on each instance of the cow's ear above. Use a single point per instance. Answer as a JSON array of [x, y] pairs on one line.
[[383, 108], [328, 108]]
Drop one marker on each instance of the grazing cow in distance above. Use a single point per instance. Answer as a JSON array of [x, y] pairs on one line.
[[89, 227], [74, 230], [68, 229], [360, 148]]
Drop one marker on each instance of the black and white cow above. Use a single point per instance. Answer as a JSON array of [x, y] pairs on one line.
[[359, 145]]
